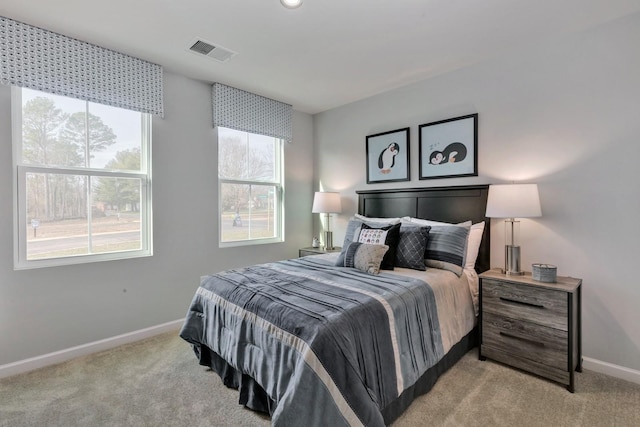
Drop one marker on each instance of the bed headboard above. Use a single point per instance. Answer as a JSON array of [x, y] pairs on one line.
[[447, 204]]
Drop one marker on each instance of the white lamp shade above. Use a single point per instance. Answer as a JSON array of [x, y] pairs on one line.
[[326, 202], [291, 4], [513, 201]]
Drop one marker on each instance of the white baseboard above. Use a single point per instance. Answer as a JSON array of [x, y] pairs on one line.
[[33, 363], [611, 369], [37, 362]]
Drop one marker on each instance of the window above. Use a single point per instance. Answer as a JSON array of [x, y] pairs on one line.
[[250, 188], [83, 181]]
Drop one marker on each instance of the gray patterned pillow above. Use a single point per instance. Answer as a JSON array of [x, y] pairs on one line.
[[412, 247], [447, 247], [365, 257], [354, 226]]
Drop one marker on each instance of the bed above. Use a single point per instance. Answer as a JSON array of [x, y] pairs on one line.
[[314, 343]]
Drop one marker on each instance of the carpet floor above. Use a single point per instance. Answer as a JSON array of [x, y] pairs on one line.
[[158, 382]]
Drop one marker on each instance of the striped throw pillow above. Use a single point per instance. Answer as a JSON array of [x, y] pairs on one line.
[[446, 247]]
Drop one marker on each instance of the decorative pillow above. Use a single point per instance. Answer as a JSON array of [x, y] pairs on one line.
[[412, 246], [365, 257], [388, 235], [373, 235], [355, 223], [354, 226], [447, 247], [473, 242]]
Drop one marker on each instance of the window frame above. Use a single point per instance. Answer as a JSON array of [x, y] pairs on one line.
[[21, 170], [278, 183]]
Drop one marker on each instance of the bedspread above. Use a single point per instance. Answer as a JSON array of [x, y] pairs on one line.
[[329, 345]]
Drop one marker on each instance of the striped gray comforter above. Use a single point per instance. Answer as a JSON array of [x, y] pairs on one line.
[[330, 345]]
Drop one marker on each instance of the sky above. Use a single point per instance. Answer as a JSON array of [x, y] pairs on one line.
[[126, 124]]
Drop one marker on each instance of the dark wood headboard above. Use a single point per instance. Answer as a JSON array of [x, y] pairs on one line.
[[447, 204]]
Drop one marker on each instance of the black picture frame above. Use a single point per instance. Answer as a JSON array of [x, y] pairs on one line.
[[386, 163], [449, 148]]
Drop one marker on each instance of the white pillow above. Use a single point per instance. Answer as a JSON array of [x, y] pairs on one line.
[[429, 222], [473, 241], [373, 236], [388, 221], [473, 245]]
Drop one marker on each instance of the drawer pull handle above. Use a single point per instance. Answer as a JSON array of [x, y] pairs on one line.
[[530, 304], [536, 343]]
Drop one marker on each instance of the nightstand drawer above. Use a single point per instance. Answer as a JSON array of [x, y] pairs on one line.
[[534, 304], [532, 325], [528, 340], [303, 252]]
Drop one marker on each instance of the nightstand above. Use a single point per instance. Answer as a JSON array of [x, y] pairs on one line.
[[316, 251], [531, 325]]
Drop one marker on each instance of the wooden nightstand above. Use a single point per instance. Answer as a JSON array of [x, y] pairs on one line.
[[531, 325], [316, 251]]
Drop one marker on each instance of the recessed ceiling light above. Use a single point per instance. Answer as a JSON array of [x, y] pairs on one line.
[[291, 4]]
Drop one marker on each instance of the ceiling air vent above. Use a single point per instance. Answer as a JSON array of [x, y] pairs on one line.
[[215, 52]]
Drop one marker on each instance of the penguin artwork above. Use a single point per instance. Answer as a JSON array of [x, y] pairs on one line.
[[454, 152], [387, 158]]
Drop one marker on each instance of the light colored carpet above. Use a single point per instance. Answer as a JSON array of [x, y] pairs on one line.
[[158, 382]]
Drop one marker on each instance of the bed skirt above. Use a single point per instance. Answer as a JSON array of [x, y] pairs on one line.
[[253, 396]]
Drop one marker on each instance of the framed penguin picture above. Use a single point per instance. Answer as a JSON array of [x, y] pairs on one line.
[[449, 148], [388, 156]]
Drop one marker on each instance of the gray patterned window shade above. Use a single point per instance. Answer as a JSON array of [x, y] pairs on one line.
[[39, 59], [245, 111]]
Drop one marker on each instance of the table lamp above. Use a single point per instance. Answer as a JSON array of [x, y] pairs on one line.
[[327, 203], [513, 201]]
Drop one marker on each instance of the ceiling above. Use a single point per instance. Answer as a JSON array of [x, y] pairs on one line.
[[326, 53]]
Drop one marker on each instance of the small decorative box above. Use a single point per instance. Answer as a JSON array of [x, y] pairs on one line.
[[546, 273]]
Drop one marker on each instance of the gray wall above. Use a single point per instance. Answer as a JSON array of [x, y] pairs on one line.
[[564, 115], [51, 309]]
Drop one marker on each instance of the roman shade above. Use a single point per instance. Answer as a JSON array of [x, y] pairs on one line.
[[245, 111], [39, 59]]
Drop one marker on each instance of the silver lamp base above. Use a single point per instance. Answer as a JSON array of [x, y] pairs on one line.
[[328, 240], [512, 261]]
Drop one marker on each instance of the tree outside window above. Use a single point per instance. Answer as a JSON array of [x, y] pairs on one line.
[[83, 179], [250, 173]]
